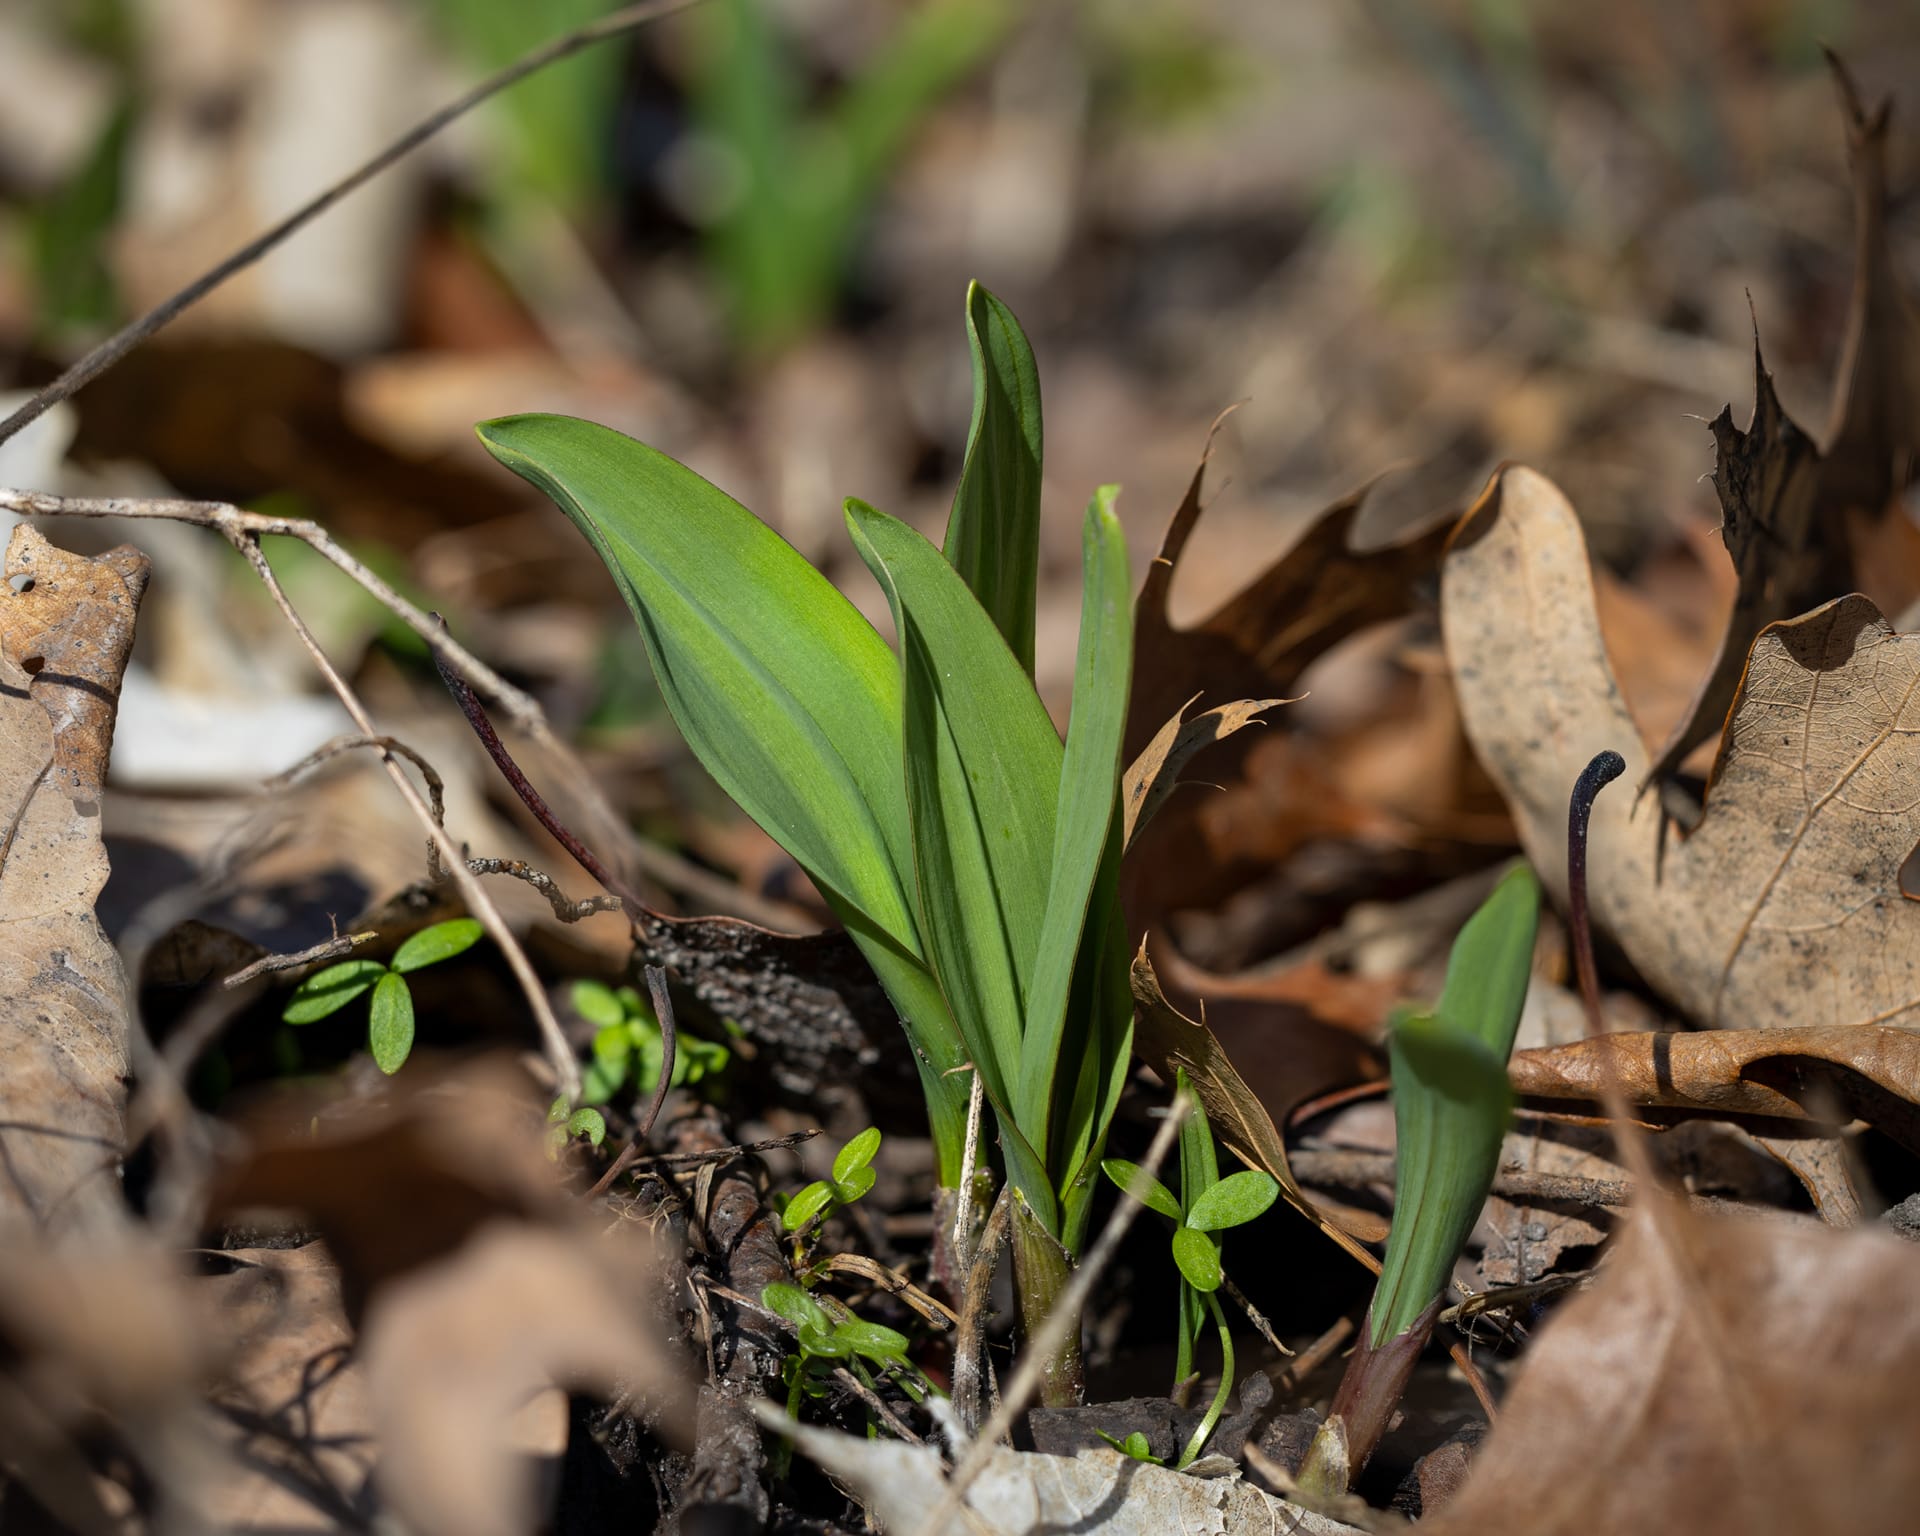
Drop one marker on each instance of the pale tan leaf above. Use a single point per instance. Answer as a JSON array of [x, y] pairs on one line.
[[1155, 773]]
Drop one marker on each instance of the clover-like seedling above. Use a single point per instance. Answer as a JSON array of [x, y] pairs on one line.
[[1451, 1105], [852, 1177], [627, 1045], [390, 1014], [1213, 1205], [823, 1341], [564, 1123]]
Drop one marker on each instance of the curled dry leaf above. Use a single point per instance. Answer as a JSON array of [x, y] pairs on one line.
[[64, 639], [1828, 1075], [1784, 908], [1155, 773], [1723, 1374], [1801, 519]]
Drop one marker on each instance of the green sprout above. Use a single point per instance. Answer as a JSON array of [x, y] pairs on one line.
[[626, 1045], [1451, 1106], [852, 1177], [1135, 1445], [1212, 1204], [972, 858], [564, 1123], [390, 1014]]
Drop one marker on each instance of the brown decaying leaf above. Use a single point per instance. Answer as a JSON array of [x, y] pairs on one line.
[[1800, 518], [1723, 1375], [1168, 1041], [1827, 1075], [64, 640], [1784, 909], [1155, 773]]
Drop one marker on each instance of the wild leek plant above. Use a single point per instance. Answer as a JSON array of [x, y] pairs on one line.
[[972, 858], [1451, 1105], [1207, 1205]]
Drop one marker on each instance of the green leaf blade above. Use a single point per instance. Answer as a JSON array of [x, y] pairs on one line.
[[1086, 800], [1198, 1257], [806, 1205], [440, 942], [1143, 1186], [328, 991], [1234, 1201], [993, 532], [856, 1154], [1492, 962], [390, 1026]]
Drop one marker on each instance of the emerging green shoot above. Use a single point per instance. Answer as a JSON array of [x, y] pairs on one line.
[[626, 1045], [1451, 1105], [973, 858], [1211, 1205], [390, 1014], [852, 1177]]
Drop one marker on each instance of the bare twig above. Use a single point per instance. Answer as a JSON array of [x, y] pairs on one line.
[[1347, 1168], [1041, 1348], [565, 1068], [564, 907], [1310, 1359], [339, 944], [969, 1155], [723, 1154], [970, 1339], [133, 334], [893, 1283], [1255, 1316], [436, 788], [1512, 1296]]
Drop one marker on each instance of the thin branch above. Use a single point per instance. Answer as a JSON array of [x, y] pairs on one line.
[[133, 334], [564, 907], [565, 1068], [436, 788], [339, 944]]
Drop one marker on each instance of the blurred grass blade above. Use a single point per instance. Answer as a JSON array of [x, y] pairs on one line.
[[782, 690], [993, 532], [1086, 797], [1491, 961], [982, 772]]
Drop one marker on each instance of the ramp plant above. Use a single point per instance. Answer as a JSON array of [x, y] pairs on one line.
[[971, 855], [1451, 1105]]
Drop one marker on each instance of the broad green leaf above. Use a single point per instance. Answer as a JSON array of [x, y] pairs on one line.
[[1198, 1256], [876, 1343], [589, 1123], [1233, 1202], [390, 1030], [822, 1342], [1451, 1102], [857, 1153], [440, 942], [782, 690], [982, 773], [1492, 960], [795, 1305], [806, 1205], [1144, 1187], [330, 990], [784, 693], [599, 1005], [613, 1049], [1085, 801], [993, 532]]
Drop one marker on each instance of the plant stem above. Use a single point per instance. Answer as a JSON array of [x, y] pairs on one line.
[[1370, 1390], [1041, 1270], [1219, 1404], [1602, 771]]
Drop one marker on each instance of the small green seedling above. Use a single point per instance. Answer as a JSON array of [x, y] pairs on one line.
[[1135, 1445], [827, 1335], [852, 1177], [1212, 1205], [1451, 1105], [973, 856], [390, 1016], [563, 1124], [626, 1045]]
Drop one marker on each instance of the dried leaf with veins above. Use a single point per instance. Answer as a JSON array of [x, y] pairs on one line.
[[1155, 773], [64, 640], [1784, 909], [1723, 1374], [1802, 519]]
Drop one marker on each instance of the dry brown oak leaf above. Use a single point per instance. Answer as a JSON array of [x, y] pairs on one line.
[[1784, 908], [1805, 522], [66, 626], [1723, 1375]]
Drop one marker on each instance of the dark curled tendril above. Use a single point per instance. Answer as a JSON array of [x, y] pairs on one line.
[[1602, 771]]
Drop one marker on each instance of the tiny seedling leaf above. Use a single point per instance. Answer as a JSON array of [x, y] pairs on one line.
[[589, 1123], [1135, 1445], [806, 1205], [1234, 1201], [795, 1305], [854, 1185], [1198, 1256], [856, 1154], [1148, 1190], [876, 1343], [598, 1004], [440, 942], [390, 1032], [330, 990]]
